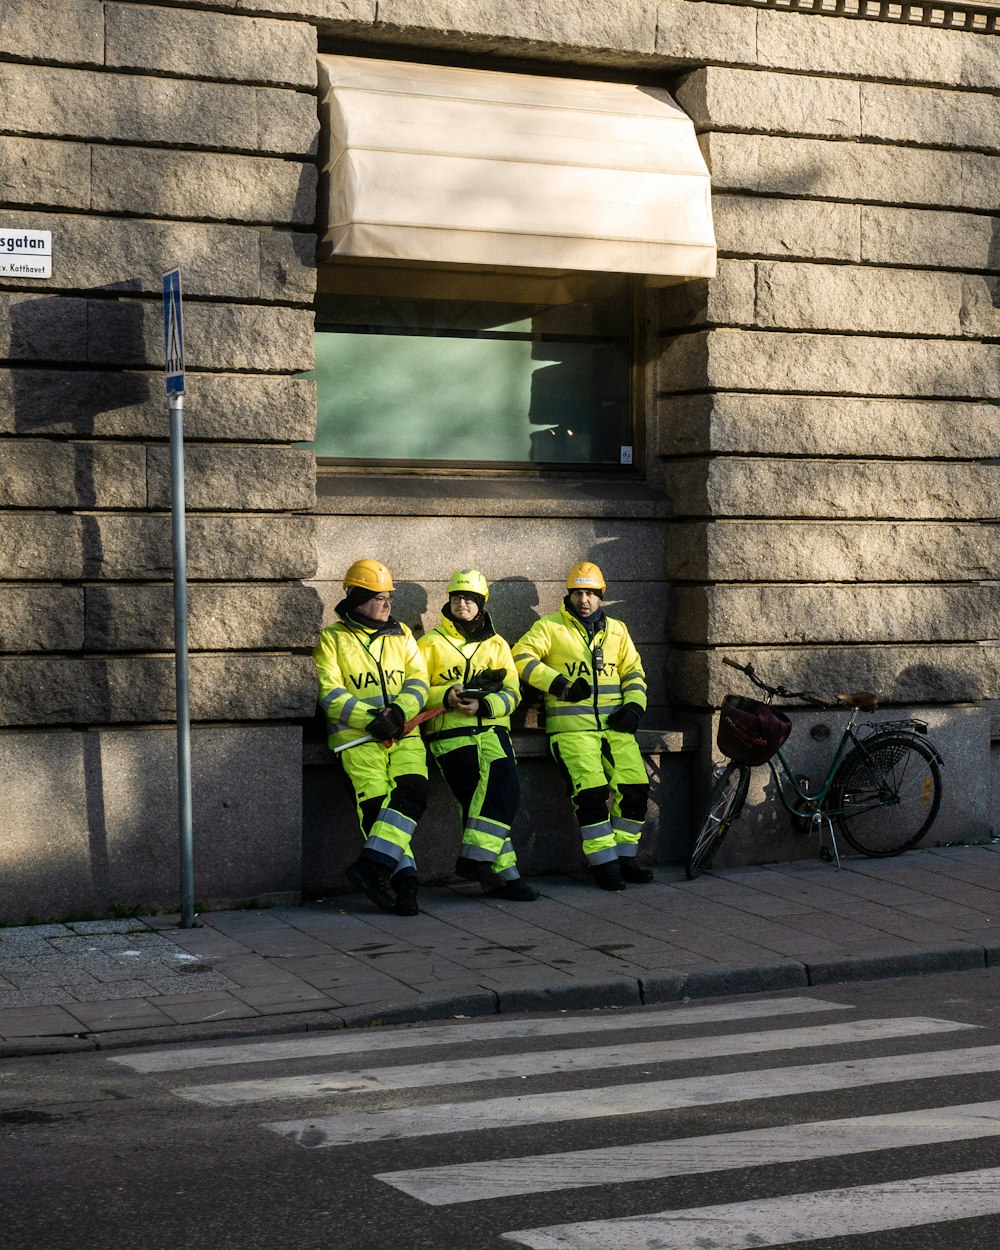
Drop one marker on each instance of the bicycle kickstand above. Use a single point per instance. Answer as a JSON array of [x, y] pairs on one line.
[[829, 854], [833, 842]]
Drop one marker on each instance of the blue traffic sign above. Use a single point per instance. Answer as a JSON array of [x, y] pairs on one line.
[[173, 332]]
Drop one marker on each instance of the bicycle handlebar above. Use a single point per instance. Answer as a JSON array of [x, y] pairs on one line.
[[807, 696]]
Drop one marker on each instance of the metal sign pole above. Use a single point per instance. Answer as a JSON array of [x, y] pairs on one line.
[[173, 342], [186, 833]]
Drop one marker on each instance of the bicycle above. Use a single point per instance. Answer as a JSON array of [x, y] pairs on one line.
[[883, 786]]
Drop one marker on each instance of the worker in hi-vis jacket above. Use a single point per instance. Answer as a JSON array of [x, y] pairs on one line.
[[473, 679], [590, 673], [372, 681]]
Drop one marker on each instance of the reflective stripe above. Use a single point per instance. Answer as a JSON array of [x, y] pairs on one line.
[[344, 719], [585, 710], [599, 843], [472, 850], [634, 683], [506, 699], [602, 855], [507, 848], [507, 874], [414, 683], [348, 708], [621, 825], [327, 699], [493, 827], [385, 847], [628, 850], [529, 668], [396, 820]]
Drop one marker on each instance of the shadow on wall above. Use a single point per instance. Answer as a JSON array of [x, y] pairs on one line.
[[993, 259], [57, 331], [933, 683], [513, 606], [107, 841], [410, 605], [60, 402]]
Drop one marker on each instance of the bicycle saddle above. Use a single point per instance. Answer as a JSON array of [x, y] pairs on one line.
[[866, 700]]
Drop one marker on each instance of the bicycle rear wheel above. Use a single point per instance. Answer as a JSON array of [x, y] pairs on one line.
[[724, 805], [886, 794]]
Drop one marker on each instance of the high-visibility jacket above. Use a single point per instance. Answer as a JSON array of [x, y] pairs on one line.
[[558, 645], [361, 670], [451, 660]]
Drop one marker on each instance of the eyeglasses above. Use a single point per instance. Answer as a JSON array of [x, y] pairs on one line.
[[382, 599], [462, 598]]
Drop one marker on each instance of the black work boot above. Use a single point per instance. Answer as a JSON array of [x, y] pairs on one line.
[[406, 896], [632, 873], [609, 876], [474, 870], [517, 891], [373, 878]]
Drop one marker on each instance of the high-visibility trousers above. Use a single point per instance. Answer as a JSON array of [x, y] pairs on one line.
[[598, 765], [390, 790], [481, 772]]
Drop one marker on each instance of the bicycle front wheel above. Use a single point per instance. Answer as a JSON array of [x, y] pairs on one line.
[[886, 794], [725, 804]]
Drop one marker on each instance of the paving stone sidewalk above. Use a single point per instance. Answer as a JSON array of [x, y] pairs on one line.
[[342, 962]]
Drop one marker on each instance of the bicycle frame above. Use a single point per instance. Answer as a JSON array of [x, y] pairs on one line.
[[859, 752], [848, 739], [812, 802]]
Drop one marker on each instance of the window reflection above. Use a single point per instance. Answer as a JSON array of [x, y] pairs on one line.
[[474, 381]]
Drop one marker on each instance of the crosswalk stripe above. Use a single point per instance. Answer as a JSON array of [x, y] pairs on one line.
[[780, 1221], [177, 1059], [636, 1099], [612, 1165], [533, 1063]]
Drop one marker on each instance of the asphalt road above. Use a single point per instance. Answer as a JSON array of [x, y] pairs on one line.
[[844, 1117]]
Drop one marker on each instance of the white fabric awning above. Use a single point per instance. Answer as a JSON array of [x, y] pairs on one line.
[[457, 166]]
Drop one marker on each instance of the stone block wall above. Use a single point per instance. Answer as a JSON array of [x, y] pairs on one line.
[[828, 407], [146, 138], [821, 419]]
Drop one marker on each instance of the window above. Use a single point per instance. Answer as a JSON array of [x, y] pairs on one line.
[[475, 369]]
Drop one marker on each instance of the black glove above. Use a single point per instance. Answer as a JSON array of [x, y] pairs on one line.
[[625, 719], [572, 692], [488, 680], [387, 723]]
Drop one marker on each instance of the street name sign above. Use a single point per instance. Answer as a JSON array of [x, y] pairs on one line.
[[25, 253]]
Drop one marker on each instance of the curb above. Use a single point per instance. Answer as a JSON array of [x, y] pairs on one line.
[[666, 987], [577, 995], [475, 1003], [906, 964]]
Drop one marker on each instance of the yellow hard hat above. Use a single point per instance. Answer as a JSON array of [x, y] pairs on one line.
[[370, 575], [586, 576], [469, 581]]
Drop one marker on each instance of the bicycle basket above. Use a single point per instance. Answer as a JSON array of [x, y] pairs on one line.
[[749, 731]]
